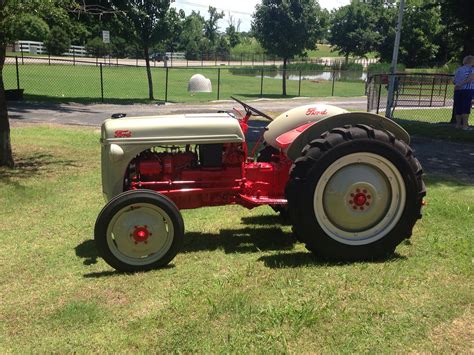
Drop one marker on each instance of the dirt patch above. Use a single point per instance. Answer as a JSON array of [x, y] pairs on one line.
[[456, 336]]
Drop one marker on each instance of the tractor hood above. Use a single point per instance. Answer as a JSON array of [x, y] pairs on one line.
[[173, 129]]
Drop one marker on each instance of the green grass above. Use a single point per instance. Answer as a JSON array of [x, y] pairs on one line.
[[431, 122], [82, 83], [241, 283], [324, 50]]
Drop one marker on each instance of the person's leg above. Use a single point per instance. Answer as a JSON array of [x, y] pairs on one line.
[[457, 108], [458, 121], [465, 121], [467, 109]]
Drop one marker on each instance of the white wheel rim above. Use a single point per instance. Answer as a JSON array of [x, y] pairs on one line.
[[359, 198], [140, 234]]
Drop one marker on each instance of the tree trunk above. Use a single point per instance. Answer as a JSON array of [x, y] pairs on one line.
[[148, 73], [6, 157], [284, 77]]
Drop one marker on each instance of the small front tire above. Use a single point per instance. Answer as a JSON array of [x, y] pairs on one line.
[[139, 230]]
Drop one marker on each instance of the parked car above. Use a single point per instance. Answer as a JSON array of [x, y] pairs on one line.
[[158, 57]]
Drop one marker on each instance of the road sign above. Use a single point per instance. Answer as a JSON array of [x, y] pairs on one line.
[[106, 36]]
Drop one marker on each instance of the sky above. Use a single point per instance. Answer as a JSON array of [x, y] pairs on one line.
[[239, 9]]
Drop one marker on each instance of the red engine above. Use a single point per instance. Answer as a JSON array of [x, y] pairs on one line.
[[209, 174]]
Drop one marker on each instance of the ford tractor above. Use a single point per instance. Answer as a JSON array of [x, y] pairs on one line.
[[348, 181]]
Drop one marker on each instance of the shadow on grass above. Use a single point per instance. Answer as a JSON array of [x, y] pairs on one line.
[[436, 130], [302, 259], [265, 96], [32, 165], [269, 219], [87, 100], [245, 240], [88, 252], [109, 273]]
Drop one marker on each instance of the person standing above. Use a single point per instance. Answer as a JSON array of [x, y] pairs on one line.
[[464, 92]]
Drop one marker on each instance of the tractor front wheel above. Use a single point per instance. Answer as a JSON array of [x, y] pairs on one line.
[[355, 193], [139, 230]]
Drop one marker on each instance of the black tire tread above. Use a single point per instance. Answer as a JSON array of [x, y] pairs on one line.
[[120, 201], [317, 149]]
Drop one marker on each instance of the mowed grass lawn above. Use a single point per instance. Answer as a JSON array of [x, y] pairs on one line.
[[241, 283], [82, 83]]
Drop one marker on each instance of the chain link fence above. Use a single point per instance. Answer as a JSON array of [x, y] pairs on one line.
[[417, 97], [49, 79]]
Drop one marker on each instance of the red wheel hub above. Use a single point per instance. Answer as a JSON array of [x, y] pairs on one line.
[[360, 199], [141, 234]]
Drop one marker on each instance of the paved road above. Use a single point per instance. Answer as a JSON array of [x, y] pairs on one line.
[[174, 63], [95, 114]]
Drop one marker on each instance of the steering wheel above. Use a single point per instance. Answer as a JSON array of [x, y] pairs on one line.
[[251, 109]]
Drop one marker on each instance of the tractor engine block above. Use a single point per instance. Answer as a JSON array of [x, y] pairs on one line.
[[209, 173]]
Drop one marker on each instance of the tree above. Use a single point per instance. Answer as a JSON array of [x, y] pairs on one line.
[[97, 48], [58, 41], [175, 19], [352, 31], [29, 27], [287, 28], [10, 12], [192, 35], [421, 30], [232, 35], [210, 25], [149, 22], [458, 18]]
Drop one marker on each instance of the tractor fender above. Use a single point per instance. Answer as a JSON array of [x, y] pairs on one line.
[[314, 131]]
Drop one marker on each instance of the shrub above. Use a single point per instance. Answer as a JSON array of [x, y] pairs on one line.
[[97, 48], [253, 71], [58, 41], [349, 66], [304, 66], [380, 68]]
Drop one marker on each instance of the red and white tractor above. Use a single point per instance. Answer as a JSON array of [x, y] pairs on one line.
[[349, 181]]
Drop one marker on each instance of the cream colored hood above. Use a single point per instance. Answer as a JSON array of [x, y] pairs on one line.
[[296, 117], [173, 129]]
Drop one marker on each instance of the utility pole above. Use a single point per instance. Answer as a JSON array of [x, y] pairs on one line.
[[393, 67]]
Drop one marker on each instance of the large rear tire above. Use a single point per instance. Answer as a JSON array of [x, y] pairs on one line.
[[139, 230], [355, 194]]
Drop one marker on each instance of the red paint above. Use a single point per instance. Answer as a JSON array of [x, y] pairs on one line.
[[123, 133], [314, 111], [238, 180], [287, 138], [360, 199], [141, 234]]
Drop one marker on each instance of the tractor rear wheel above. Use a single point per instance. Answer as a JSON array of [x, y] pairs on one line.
[[355, 194], [139, 230]]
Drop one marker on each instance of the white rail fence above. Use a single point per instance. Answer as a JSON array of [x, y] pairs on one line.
[[33, 47]]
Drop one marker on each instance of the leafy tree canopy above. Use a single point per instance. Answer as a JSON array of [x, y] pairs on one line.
[[353, 30], [287, 28], [210, 25]]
